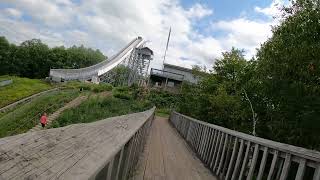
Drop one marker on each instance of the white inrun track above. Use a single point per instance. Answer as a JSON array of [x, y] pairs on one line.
[[93, 72]]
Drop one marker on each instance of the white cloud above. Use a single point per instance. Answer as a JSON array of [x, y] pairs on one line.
[[151, 21], [109, 25], [63, 2], [50, 13], [199, 11], [244, 33], [11, 12], [249, 34], [274, 9], [21, 31]]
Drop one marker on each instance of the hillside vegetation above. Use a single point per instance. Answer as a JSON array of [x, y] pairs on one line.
[[20, 88], [27, 115], [98, 108], [86, 86], [33, 59], [275, 95], [164, 101]]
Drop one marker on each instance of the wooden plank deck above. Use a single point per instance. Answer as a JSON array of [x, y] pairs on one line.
[[77, 151], [168, 157]]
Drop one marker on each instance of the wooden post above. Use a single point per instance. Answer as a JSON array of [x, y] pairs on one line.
[[253, 162], [214, 145]]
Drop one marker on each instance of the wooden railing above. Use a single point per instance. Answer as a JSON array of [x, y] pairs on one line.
[[233, 155], [106, 149], [125, 157]]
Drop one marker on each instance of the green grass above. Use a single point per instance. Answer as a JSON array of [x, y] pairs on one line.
[[163, 112], [97, 108], [164, 101], [26, 116], [20, 88], [123, 92], [87, 86]]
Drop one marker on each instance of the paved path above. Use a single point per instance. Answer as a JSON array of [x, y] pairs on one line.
[[168, 157]]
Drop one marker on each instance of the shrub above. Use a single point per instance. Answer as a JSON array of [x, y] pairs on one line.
[[77, 85], [123, 93], [27, 115], [20, 88], [101, 87], [122, 96], [96, 108], [163, 99], [88, 86], [163, 112]]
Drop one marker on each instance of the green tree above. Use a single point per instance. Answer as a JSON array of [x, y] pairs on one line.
[[279, 89], [288, 68], [5, 51], [219, 97], [34, 59]]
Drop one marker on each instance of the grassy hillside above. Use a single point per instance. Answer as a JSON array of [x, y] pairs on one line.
[[20, 88], [85, 86], [97, 108], [27, 115]]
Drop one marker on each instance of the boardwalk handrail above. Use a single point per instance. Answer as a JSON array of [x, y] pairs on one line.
[[234, 155], [106, 149], [125, 156]]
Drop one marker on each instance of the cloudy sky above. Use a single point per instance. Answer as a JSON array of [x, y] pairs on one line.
[[201, 29]]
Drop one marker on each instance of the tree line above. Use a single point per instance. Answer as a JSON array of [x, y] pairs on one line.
[[33, 59], [275, 95]]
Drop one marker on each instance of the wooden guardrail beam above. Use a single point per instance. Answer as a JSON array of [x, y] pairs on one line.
[[106, 149], [235, 155]]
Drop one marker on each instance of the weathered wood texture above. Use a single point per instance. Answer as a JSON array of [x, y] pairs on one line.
[[168, 157], [106, 149], [235, 155]]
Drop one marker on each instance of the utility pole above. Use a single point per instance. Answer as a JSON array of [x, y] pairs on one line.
[[165, 52]]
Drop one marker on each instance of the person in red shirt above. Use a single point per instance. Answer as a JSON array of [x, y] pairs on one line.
[[43, 120]]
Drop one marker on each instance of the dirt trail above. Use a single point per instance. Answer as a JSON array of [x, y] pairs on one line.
[[75, 102]]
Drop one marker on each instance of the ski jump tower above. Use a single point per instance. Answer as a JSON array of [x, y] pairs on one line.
[[134, 57]]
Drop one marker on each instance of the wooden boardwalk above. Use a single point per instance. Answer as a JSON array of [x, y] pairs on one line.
[[76, 152], [84, 151], [168, 157]]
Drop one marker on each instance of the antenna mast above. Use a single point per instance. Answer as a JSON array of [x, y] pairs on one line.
[[165, 52]]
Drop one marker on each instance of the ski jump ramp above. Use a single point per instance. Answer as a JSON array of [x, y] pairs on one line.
[[92, 73]]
